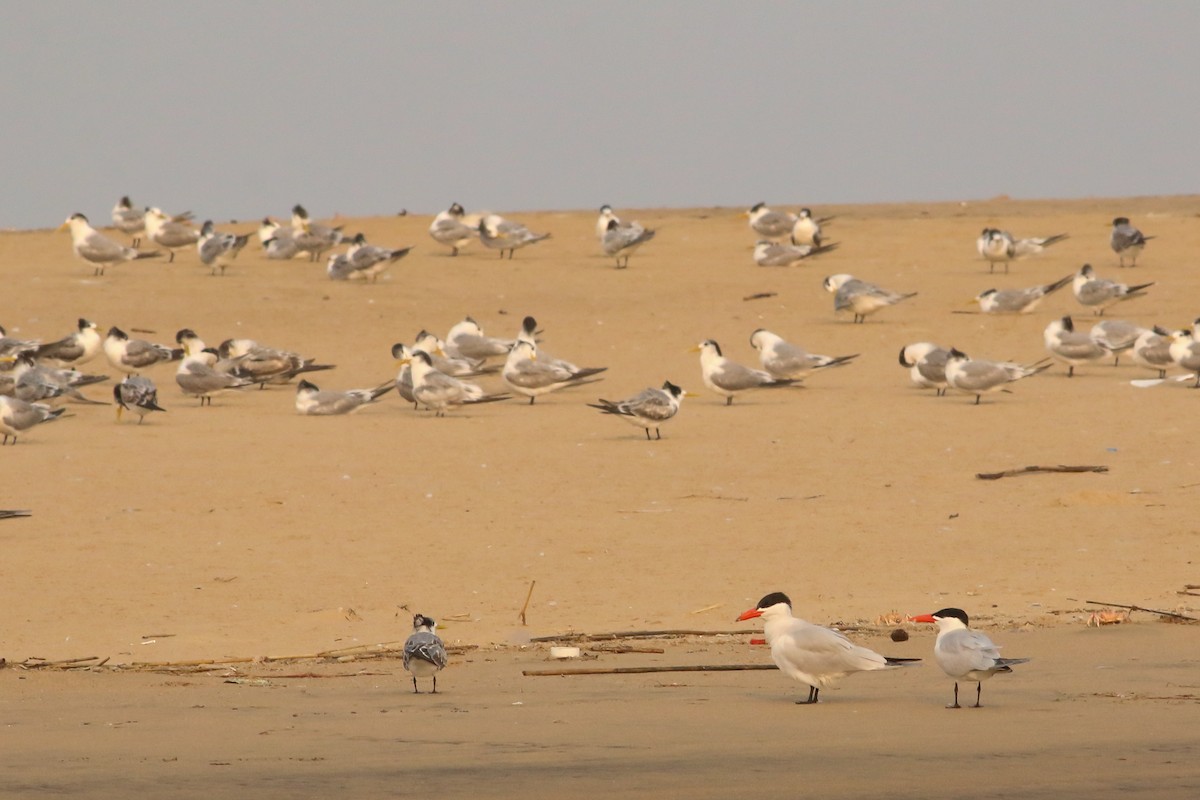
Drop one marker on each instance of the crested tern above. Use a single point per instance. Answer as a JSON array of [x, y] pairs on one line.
[[860, 297], [623, 241], [1099, 294], [497, 233], [131, 356], [980, 377], [776, 254], [999, 247], [1127, 240], [96, 248], [449, 229], [526, 375], [964, 654], [311, 400], [169, 233], [1070, 346], [788, 361], [649, 408], [439, 391], [1018, 301], [217, 250], [728, 378]]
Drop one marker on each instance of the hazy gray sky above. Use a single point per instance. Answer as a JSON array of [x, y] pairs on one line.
[[240, 109]]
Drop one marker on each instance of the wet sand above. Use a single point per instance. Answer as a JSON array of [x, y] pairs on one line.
[[245, 530]]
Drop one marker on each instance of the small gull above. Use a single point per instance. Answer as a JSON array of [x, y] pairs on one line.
[[1017, 301], [217, 250], [1099, 294], [1127, 240], [623, 241], [136, 394], [728, 378], [860, 297], [999, 247], [363, 261], [964, 654], [1070, 346], [788, 361], [980, 377], [424, 653], [314, 402], [96, 248], [649, 408]]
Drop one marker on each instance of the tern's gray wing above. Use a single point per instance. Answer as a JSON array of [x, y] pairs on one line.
[[618, 239], [933, 366], [652, 404], [199, 379], [979, 376], [101, 249], [774, 223], [1116, 334], [1126, 236], [329, 402], [341, 268], [1093, 293], [451, 231], [1014, 300], [140, 353], [475, 347], [529, 374], [425, 646], [1076, 344], [173, 234], [778, 255], [20, 415], [734, 377], [788, 360], [852, 288]]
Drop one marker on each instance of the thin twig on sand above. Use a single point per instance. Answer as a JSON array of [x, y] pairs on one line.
[[1140, 608], [640, 670], [604, 637], [1008, 473]]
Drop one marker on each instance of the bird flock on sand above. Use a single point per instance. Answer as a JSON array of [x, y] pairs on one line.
[[440, 374]]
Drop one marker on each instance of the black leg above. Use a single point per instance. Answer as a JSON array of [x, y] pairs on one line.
[[956, 705], [978, 692], [435, 684], [812, 697], [657, 433], [1071, 371], [532, 399], [647, 434], [415, 689], [729, 400]]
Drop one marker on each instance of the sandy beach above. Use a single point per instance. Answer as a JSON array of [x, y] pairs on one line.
[[244, 530]]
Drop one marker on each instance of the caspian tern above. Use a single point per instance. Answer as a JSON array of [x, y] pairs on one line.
[[964, 654], [809, 653]]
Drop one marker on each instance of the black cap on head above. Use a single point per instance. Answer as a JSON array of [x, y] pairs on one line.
[[299, 211], [397, 349], [423, 356], [422, 621], [184, 333], [714, 344], [757, 206], [671, 389], [529, 325], [957, 613], [305, 386], [1068, 323], [1121, 221], [125, 202], [774, 598], [956, 353], [117, 333]]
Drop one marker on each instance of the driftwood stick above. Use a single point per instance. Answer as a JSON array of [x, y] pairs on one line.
[[1140, 608], [621, 649], [37, 664], [605, 637], [528, 597], [640, 670], [1008, 473]]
